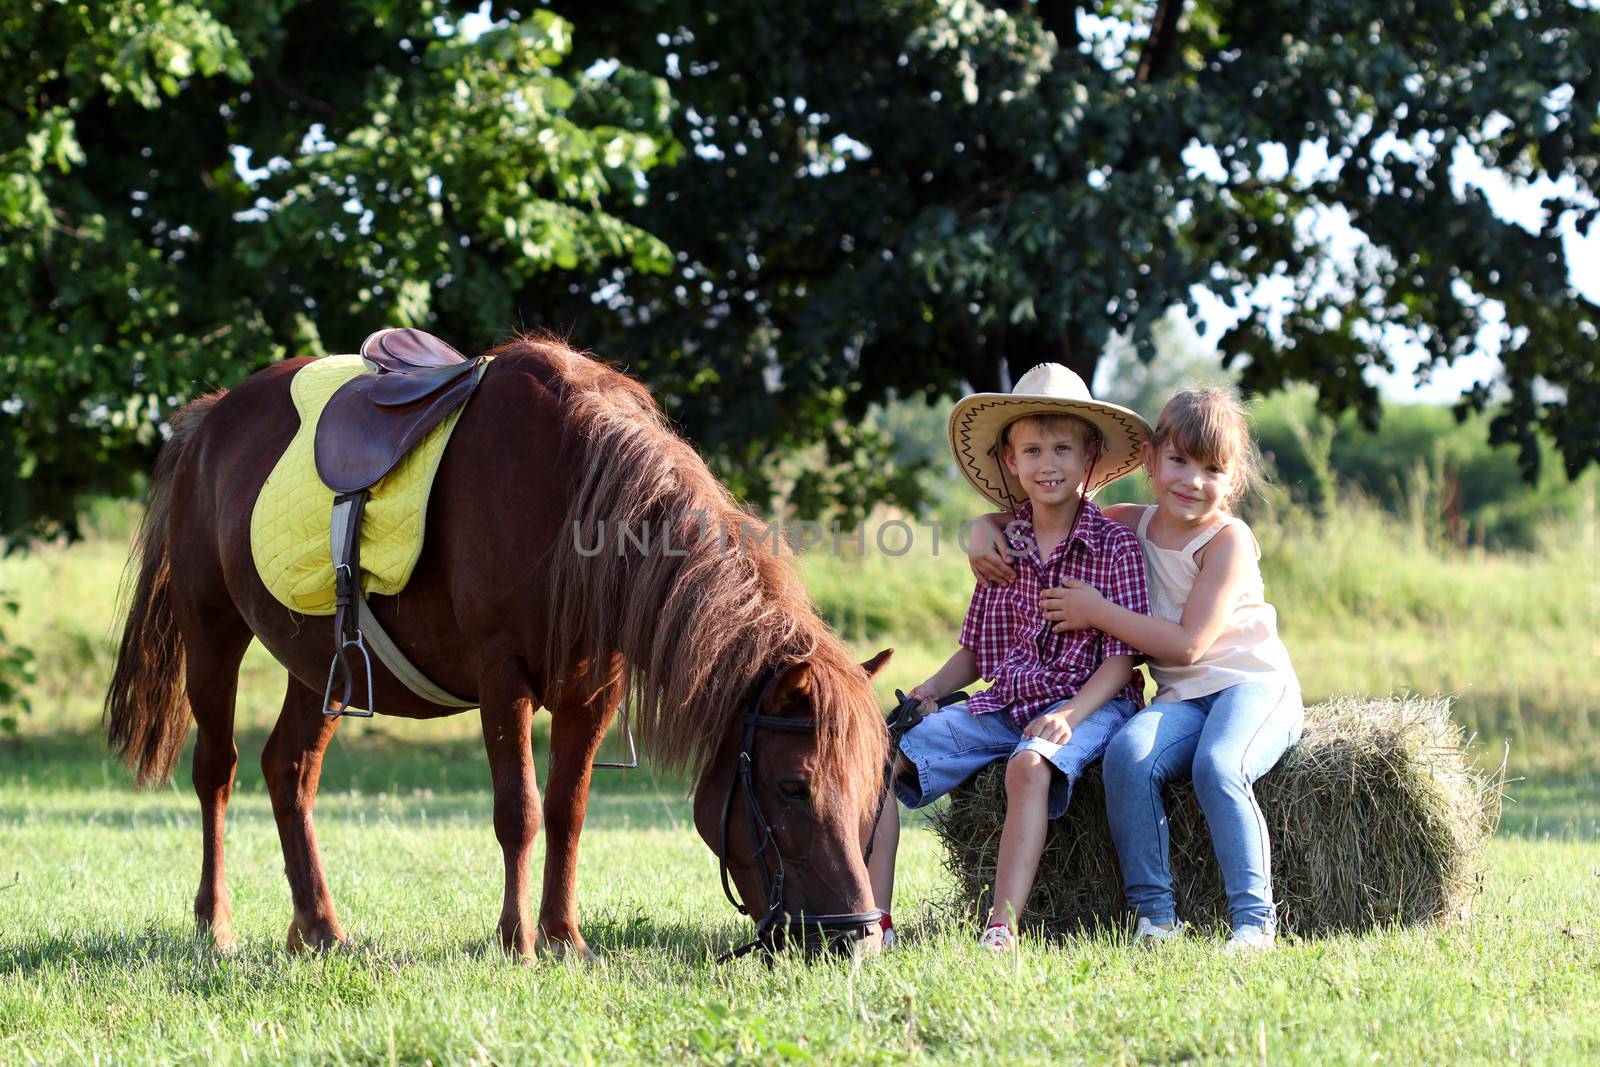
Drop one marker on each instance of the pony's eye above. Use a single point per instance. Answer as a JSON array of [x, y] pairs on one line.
[[794, 788]]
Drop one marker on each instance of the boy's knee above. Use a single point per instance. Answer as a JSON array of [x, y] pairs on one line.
[[1027, 772]]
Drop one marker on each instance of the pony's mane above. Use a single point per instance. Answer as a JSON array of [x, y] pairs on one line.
[[695, 624]]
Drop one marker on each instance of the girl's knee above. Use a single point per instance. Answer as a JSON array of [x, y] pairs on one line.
[[1218, 771], [1130, 760], [1027, 772], [1124, 752]]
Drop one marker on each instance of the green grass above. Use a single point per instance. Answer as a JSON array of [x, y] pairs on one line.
[[96, 880], [97, 962]]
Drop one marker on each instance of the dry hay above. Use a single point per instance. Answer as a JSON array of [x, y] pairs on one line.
[[1377, 816]]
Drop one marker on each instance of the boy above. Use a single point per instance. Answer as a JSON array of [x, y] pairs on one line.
[[1056, 699]]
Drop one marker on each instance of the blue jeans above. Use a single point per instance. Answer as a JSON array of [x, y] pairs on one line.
[[1224, 741], [952, 744]]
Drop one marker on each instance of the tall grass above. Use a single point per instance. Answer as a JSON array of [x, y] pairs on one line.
[[1369, 602]]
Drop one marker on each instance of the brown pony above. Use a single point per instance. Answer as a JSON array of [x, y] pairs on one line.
[[555, 454]]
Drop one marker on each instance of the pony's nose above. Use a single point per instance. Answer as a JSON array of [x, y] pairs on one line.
[[868, 946], [847, 945]]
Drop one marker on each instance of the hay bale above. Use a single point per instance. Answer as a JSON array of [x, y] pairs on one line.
[[1376, 816]]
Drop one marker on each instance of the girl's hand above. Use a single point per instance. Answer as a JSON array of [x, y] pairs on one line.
[[988, 554], [926, 697], [1072, 606], [1051, 727]]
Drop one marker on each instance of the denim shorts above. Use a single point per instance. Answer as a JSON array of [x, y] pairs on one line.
[[952, 745]]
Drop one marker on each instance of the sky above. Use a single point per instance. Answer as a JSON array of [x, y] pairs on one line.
[[1511, 200]]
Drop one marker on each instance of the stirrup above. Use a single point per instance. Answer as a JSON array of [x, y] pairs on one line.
[[345, 546], [341, 665]]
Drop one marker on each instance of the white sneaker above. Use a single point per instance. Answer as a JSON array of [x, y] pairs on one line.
[[1250, 939], [1147, 934], [998, 939]]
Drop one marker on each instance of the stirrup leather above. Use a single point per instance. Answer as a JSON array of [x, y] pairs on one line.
[[356, 628]]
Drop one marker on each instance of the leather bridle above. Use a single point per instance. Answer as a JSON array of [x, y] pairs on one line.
[[774, 923]]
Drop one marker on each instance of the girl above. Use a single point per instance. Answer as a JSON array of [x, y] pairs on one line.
[[1227, 704]]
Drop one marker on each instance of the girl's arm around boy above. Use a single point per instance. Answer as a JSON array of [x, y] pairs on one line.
[[1229, 568]]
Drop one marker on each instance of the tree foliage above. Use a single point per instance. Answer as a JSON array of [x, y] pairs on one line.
[[412, 176], [908, 194], [876, 197]]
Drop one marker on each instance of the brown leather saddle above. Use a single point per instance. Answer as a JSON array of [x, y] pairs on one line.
[[373, 420]]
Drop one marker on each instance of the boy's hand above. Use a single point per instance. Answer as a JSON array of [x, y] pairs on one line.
[[1052, 726], [1073, 606], [927, 700], [988, 553]]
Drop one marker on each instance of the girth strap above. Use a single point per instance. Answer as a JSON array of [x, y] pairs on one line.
[[357, 627]]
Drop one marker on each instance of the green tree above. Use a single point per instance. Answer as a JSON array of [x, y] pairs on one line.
[[904, 195], [413, 176]]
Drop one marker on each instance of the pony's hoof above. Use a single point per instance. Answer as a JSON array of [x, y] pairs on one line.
[[218, 939], [314, 940], [563, 948]]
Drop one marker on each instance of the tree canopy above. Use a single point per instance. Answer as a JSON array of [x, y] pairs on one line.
[[872, 197], [906, 194], [411, 177]]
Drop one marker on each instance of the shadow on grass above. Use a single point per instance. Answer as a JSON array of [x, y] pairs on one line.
[[369, 761], [191, 966], [373, 762], [691, 942]]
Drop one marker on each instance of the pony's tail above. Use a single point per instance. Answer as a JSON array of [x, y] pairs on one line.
[[146, 708]]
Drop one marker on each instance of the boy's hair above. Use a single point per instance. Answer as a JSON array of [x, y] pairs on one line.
[[1088, 433], [1207, 424]]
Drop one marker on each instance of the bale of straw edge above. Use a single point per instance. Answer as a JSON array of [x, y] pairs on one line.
[[1376, 816]]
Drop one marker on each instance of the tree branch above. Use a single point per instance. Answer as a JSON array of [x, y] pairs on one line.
[[284, 89], [1156, 54]]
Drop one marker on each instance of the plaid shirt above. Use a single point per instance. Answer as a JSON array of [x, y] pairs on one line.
[[1031, 666]]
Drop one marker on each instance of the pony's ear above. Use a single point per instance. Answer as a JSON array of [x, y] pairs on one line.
[[791, 690], [877, 663]]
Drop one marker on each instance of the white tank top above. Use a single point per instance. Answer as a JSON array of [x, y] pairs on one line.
[[1247, 650]]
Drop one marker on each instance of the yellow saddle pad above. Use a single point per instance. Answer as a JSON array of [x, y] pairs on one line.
[[291, 526]]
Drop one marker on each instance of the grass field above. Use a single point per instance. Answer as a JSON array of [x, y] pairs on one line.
[[96, 880], [97, 963]]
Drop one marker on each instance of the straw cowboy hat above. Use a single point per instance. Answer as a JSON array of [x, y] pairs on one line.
[[1048, 389]]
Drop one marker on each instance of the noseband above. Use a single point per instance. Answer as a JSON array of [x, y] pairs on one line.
[[764, 845]]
